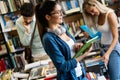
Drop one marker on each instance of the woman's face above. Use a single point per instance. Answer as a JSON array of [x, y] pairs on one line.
[[92, 10], [56, 16]]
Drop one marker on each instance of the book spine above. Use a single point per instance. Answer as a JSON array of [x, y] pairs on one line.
[[2, 65], [3, 7], [13, 60], [69, 6]]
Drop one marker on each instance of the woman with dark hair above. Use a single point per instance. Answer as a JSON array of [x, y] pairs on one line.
[[58, 43]]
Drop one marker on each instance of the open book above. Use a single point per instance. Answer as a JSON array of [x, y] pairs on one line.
[[85, 46]]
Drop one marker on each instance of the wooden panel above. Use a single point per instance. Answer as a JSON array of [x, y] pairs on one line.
[[115, 6], [13, 33], [72, 17]]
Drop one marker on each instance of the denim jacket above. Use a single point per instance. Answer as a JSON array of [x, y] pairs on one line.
[[59, 52]]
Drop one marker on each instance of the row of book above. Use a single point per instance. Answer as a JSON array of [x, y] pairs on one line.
[[70, 6], [6, 75], [10, 5], [18, 61], [73, 5], [43, 72], [94, 76], [5, 64], [74, 26], [95, 67], [8, 21], [14, 44]]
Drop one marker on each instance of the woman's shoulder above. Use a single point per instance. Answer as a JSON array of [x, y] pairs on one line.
[[110, 11], [48, 36], [111, 14]]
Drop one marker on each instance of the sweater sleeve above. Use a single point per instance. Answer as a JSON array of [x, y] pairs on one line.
[[53, 50], [23, 35]]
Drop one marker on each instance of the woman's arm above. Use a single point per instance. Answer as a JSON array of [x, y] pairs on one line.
[[112, 20]]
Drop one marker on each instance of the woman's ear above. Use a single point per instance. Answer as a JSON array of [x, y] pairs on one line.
[[47, 17]]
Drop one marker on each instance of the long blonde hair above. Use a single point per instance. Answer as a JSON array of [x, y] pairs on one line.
[[89, 19]]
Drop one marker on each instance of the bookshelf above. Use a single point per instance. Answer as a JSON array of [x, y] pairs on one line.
[[4, 53], [73, 15], [9, 39], [9, 13]]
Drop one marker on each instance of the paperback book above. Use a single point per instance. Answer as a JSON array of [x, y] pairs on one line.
[[92, 32], [85, 47]]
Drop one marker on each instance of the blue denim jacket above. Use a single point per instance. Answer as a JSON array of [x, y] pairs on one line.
[[59, 52]]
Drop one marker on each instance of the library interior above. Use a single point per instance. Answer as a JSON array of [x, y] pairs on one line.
[[59, 39]]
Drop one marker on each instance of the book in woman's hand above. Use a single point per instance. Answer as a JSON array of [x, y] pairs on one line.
[[85, 47]]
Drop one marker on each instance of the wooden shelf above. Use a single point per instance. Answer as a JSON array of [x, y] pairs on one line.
[[72, 17], [115, 6], [72, 11]]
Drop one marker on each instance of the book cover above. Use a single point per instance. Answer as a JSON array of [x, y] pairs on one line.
[[7, 63], [76, 3], [2, 65], [3, 8], [7, 4], [8, 20], [92, 34], [13, 60], [69, 6], [85, 47], [17, 62], [10, 45], [6, 75], [64, 6]]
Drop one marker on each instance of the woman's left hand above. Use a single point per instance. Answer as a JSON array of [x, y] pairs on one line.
[[77, 46], [106, 58]]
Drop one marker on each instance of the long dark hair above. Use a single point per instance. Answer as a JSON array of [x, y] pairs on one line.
[[41, 11]]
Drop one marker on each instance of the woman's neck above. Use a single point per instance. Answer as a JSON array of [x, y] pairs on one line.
[[54, 26]]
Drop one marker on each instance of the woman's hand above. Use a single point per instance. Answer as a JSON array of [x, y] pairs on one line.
[[77, 46], [85, 54], [106, 58]]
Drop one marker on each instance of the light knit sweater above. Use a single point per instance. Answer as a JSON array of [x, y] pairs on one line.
[[37, 48]]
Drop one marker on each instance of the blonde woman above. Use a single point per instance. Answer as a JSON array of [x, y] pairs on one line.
[[103, 19]]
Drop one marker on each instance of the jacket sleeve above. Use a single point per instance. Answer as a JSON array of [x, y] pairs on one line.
[[53, 50], [23, 35]]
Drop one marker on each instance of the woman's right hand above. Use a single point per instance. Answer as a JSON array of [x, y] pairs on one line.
[[85, 54]]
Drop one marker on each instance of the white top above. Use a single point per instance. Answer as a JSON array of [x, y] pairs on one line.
[[78, 69], [105, 29], [37, 47]]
